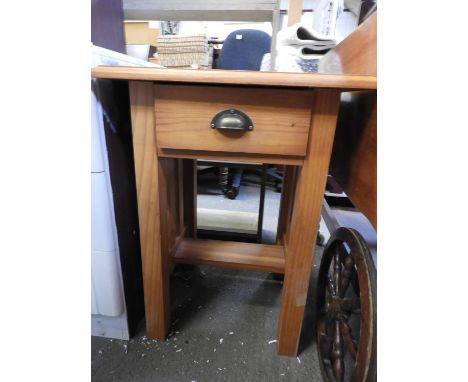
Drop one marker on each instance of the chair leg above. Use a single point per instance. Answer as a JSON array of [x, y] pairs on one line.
[[233, 189], [223, 177]]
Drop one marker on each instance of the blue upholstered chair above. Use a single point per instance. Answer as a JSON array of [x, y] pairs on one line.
[[242, 49]]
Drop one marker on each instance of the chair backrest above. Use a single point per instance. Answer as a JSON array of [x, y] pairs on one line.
[[243, 49]]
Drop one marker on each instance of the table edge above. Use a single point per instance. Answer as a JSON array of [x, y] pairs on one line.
[[237, 77]]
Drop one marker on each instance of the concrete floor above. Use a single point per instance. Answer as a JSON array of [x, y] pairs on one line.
[[223, 327]]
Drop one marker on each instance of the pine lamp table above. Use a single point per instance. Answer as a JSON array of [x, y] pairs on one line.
[[179, 116]]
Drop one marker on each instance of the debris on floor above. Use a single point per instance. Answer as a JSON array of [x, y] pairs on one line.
[[244, 305]]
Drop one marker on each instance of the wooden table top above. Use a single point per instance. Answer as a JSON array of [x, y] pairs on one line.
[[237, 77], [351, 65]]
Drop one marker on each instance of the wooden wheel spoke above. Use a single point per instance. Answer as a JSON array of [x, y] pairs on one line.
[[330, 285], [337, 272], [347, 289], [330, 328], [355, 283], [325, 338], [337, 353], [325, 346], [350, 304], [346, 274], [350, 342]]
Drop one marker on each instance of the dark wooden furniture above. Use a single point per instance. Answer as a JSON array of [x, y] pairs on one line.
[[347, 284], [354, 156], [347, 309]]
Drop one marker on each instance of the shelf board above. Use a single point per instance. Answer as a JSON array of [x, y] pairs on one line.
[[229, 254]]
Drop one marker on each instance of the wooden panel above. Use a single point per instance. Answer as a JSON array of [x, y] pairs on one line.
[[290, 207], [189, 171], [305, 220], [240, 77], [280, 119], [233, 157], [229, 254], [354, 157], [356, 54], [170, 208], [286, 203], [180, 196], [154, 261]]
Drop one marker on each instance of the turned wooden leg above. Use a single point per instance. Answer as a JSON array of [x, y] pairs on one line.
[[305, 219]]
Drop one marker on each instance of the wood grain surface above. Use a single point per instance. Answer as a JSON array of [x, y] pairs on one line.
[[354, 157], [229, 254], [189, 175], [155, 264], [286, 203], [280, 119], [239, 77], [305, 220], [356, 54], [233, 157]]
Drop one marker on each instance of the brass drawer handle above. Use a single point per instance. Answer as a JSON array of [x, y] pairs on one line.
[[233, 120]]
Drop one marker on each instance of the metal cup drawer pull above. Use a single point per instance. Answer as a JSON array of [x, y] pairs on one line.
[[232, 120]]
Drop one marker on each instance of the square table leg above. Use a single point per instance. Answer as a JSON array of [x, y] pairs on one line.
[[300, 241], [166, 193], [150, 178]]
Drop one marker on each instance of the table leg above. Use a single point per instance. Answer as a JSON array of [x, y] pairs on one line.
[[310, 187], [149, 174]]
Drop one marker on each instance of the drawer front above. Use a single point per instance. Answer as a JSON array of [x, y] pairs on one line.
[[280, 118]]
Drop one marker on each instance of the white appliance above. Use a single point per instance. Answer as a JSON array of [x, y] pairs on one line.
[[108, 310]]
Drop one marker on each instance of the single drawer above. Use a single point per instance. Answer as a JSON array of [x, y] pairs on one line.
[[280, 119]]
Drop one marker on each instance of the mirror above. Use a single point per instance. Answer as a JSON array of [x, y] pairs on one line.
[[240, 201], [240, 35]]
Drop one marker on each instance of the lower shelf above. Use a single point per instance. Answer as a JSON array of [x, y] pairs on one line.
[[230, 254]]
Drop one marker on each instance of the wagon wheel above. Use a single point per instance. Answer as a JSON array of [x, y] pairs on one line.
[[347, 309]]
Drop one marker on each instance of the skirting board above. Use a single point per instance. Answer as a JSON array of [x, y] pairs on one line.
[[110, 327]]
